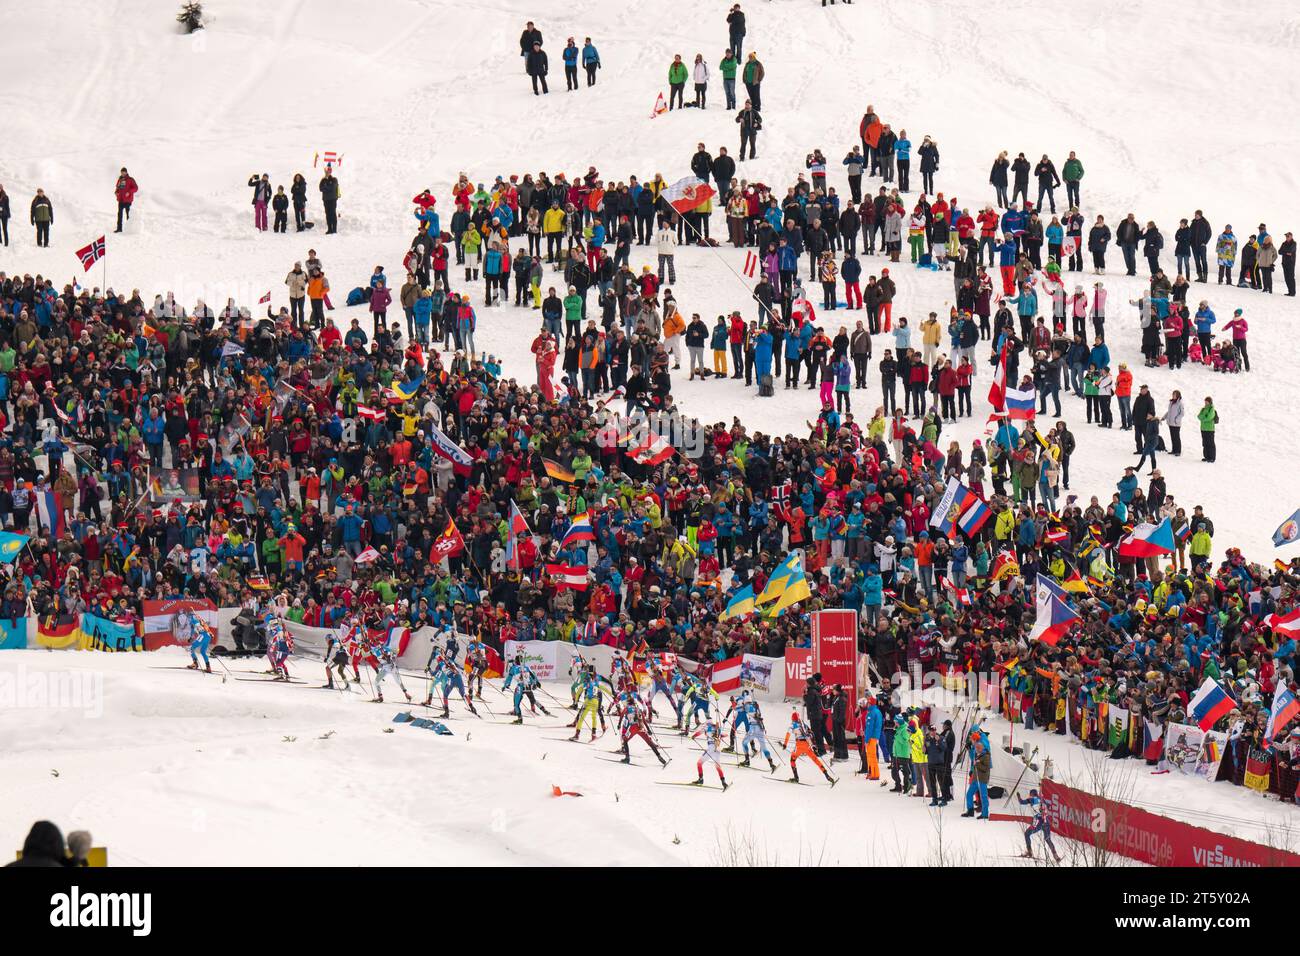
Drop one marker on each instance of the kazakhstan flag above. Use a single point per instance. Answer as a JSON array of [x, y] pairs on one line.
[[11, 545]]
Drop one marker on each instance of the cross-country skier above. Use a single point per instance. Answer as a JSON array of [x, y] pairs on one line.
[[387, 668], [278, 646], [755, 732], [525, 682], [695, 701], [741, 718], [201, 638], [445, 675], [712, 731], [661, 680], [476, 657], [802, 735], [634, 721], [590, 708], [336, 656], [1040, 824]]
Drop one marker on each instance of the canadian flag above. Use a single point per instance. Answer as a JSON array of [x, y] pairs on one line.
[[751, 263], [726, 675], [661, 106], [264, 299]]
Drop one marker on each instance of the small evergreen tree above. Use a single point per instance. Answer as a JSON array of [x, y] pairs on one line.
[[191, 16]]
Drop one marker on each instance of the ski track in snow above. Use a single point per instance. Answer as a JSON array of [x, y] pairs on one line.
[[414, 92]]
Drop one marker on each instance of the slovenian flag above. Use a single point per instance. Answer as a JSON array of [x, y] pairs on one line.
[[1210, 703], [1021, 403], [1148, 540], [579, 530]]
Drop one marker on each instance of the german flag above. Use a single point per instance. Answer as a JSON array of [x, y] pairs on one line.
[[558, 471], [258, 582]]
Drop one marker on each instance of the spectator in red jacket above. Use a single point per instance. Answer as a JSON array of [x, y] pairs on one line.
[[125, 192]]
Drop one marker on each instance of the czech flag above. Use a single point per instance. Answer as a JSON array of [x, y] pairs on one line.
[[1148, 540], [1286, 707], [725, 675], [1021, 403], [1209, 704], [1288, 623], [1053, 621], [579, 530]]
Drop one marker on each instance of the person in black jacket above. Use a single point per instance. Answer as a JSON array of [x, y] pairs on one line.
[[537, 64], [839, 720], [1144, 410], [812, 702], [42, 213], [949, 741], [530, 37], [1201, 236], [998, 178], [1048, 180], [1098, 239], [702, 163], [43, 847], [929, 154], [724, 171], [1020, 170], [750, 123], [4, 216], [1127, 235], [329, 195], [298, 194], [736, 30], [280, 206], [1286, 252], [1152, 243]]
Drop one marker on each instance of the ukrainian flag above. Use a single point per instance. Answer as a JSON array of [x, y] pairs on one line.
[[740, 605], [787, 585], [408, 390]]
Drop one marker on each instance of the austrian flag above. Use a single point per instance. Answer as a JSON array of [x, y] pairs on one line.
[[91, 253], [569, 575], [726, 675], [652, 450]]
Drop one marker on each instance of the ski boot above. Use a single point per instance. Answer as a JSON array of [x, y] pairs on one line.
[[771, 763], [832, 780], [593, 732], [745, 762], [428, 701], [379, 699], [471, 707], [192, 666], [725, 785], [795, 778], [575, 733], [627, 757], [698, 783], [207, 668], [662, 761], [408, 696], [544, 710]]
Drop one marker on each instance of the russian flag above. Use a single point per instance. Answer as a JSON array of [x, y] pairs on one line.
[[1288, 623], [1209, 704], [725, 675], [1148, 540], [974, 516], [49, 508], [1286, 706], [1021, 403], [579, 530]]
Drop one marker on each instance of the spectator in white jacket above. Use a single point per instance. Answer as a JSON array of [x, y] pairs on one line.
[[666, 241], [701, 76]]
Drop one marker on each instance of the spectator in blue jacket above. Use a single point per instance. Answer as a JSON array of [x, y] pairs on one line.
[[570, 56], [590, 60]]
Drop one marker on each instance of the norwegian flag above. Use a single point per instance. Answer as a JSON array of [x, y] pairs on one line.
[[751, 263], [91, 253], [264, 299], [781, 498]]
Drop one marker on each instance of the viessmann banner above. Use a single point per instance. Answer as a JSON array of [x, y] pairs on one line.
[[835, 648]]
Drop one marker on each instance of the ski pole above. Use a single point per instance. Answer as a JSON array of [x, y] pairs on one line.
[[1016, 786]]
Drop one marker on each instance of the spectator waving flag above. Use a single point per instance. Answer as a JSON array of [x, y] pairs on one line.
[[568, 575], [1148, 540], [91, 254], [448, 449], [1286, 707], [448, 544], [687, 194], [1209, 703], [1288, 531], [579, 530], [998, 390], [959, 508], [1020, 403]]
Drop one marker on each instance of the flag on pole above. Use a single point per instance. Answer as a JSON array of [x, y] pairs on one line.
[[405, 391], [960, 597], [740, 605], [366, 556], [231, 348], [460, 460], [91, 254], [1021, 403], [49, 507], [579, 530], [687, 194], [1209, 703], [329, 157], [264, 299], [1054, 616], [557, 471], [998, 390], [959, 508], [1288, 624], [1148, 540], [1286, 707], [372, 414], [1288, 530], [1004, 566], [11, 545], [448, 544], [661, 106], [751, 263], [653, 450]]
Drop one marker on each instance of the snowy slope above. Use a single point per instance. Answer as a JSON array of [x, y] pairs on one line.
[[414, 92]]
